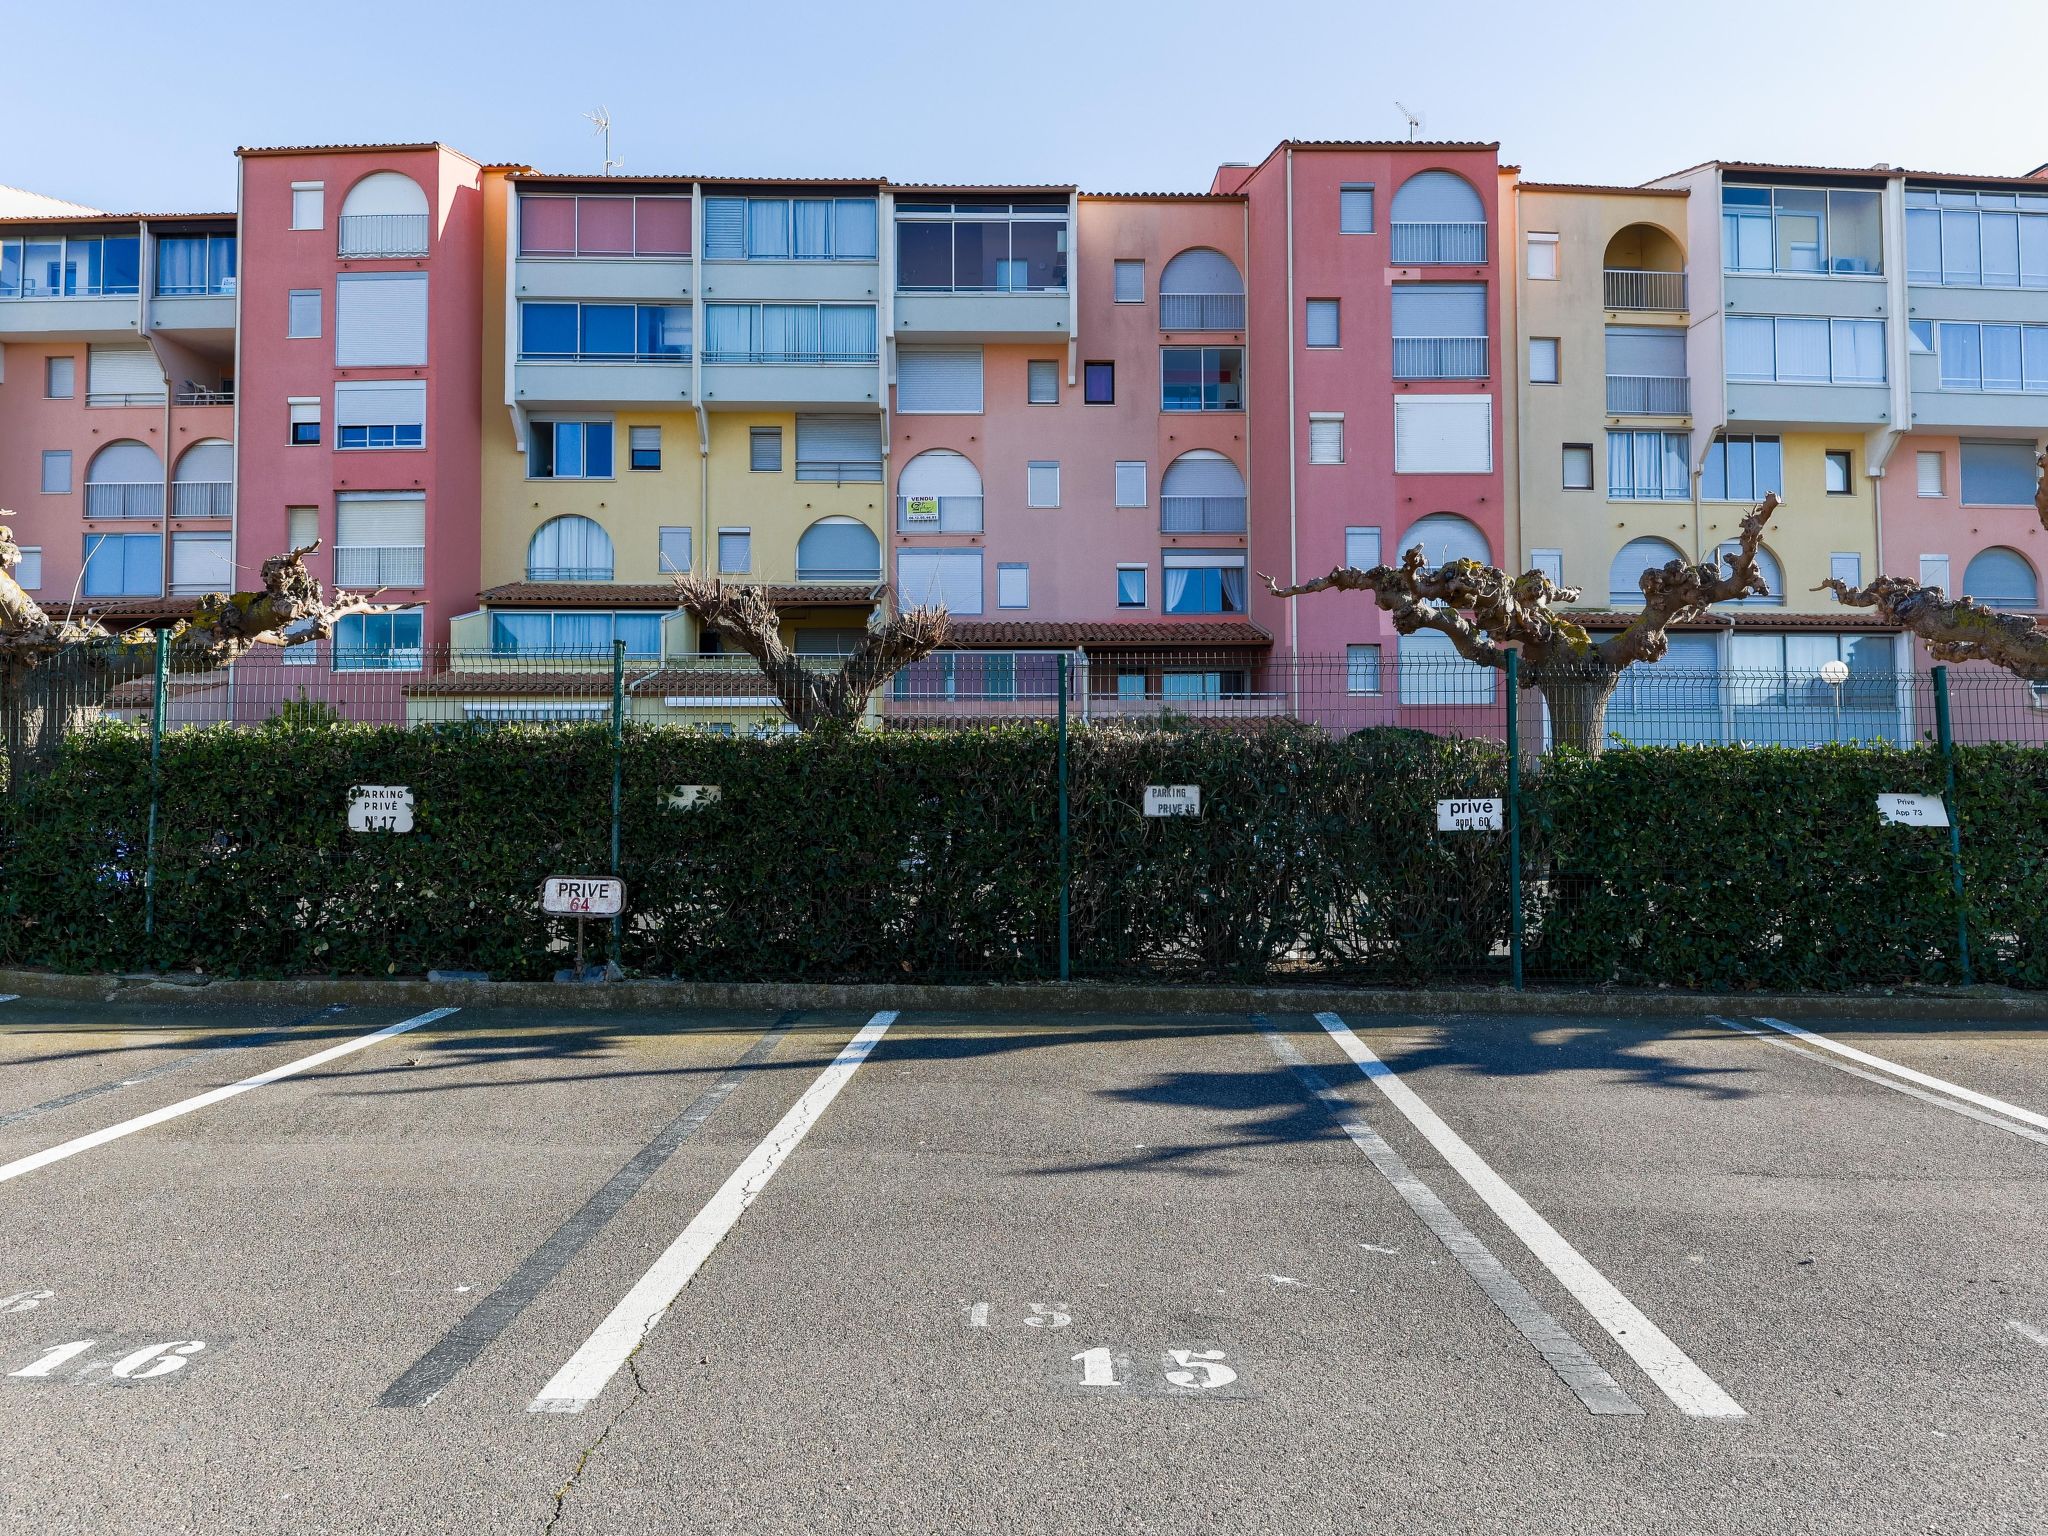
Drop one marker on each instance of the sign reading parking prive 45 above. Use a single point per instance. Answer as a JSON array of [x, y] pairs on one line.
[[1912, 810], [1468, 816], [380, 808], [1173, 799], [583, 896]]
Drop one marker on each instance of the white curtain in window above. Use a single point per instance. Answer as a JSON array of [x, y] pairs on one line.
[[847, 332], [789, 331], [1802, 351], [855, 234], [767, 227], [1750, 347], [1859, 351], [569, 544], [1233, 589], [811, 226], [1177, 579], [731, 329]]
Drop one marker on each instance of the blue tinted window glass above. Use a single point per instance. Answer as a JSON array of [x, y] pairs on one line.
[[597, 449], [641, 632], [608, 330], [547, 330], [121, 264]]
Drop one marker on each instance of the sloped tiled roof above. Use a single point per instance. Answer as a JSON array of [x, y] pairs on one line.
[[595, 682], [1135, 633], [1722, 615], [662, 594]]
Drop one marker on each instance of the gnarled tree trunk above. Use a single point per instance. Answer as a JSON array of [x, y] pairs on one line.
[[1577, 698]]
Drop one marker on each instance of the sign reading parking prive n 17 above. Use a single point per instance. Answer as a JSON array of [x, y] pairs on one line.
[[380, 808], [1173, 799], [583, 896], [1912, 810], [1468, 816]]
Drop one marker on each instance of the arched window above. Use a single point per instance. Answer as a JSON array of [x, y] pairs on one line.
[[839, 549], [1201, 290], [1767, 567], [1624, 577], [569, 549], [1201, 492], [2002, 577], [1643, 267], [205, 479], [939, 491], [1438, 217], [125, 479], [384, 214], [1445, 536]]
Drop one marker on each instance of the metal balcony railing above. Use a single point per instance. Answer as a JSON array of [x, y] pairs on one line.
[[939, 514], [202, 498], [380, 565], [124, 397], [1439, 357], [1630, 394], [1416, 245], [838, 573], [568, 573], [1201, 311], [781, 355], [1201, 514], [840, 471], [383, 234], [1628, 288], [124, 498], [675, 355], [222, 396]]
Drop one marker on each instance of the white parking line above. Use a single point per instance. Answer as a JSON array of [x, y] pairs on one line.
[[2027, 1331], [100, 1138], [10, 997], [1983, 1100], [577, 1384], [1885, 1082], [1676, 1376]]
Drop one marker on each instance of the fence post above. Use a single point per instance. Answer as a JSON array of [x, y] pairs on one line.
[[618, 780], [1066, 845], [1514, 818], [158, 694], [1946, 738]]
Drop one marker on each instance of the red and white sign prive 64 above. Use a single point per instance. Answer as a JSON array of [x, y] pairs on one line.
[[583, 896]]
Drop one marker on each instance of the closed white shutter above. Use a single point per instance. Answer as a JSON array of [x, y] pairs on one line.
[[725, 229], [1042, 485], [938, 380], [60, 378], [1443, 435], [123, 371], [1130, 282], [56, 471], [1934, 571], [309, 204], [29, 574], [838, 440], [1043, 385], [1846, 568], [302, 526], [1550, 562], [1326, 439], [764, 449], [395, 404], [304, 412], [674, 551], [644, 439], [199, 563], [384, 519], [735, 551], [380, 320], [1928, 468], [949, 578], [305, 313], [1130, 483], [1646, 351], [1013, 586], [1362, 548]]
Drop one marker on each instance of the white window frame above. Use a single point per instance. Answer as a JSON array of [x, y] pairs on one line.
[[1847, 566], [661, 560], [632, 447], [1144, 571], [26, 576], [291, 314], [1118, 267], [1372, 213], [1325, 419], [754, 435], [1032, 491], [1018, 570], [743, 533], [1540, 240], [51, 455], [318, 189], [1556, 350], [301, 410], [1032, 368], [1921, 458], [1550, 562], [1934, 572], [1355, 540], [1352, 658], [1144, 469], [1336, 312]]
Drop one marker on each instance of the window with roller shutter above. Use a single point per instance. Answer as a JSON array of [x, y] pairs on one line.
[[948, 578], [939, 381], [384, 414], [1130, 482], [123, 376], [380, 320], [839, 449], [1443, 435], [380, 539]]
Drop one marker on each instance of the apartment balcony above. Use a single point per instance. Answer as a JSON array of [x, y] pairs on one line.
[[128, 500], [383, 234], [764, 380], [40, 316], [225, 395], [584, 573], [944, 315], [380, 565], [938, 514], [1423, 245], [613, 379], [202, 498], [1201, 311], [1631, 289], [1638, 395], [1201, 514], [1440, 357]]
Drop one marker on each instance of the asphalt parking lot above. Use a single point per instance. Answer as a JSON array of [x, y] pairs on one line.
[[494, 1270]]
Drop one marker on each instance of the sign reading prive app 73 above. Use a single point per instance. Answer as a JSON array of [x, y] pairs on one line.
[[583, 896]]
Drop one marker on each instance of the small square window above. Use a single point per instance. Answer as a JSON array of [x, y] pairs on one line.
[[1042, 484], [1013, 586], [57, 472], [1130, 586], [643, 447], [672, 553], [1362, 668], [1042, 386], [1354, 210], [60, 378], [1543, 360], [1578, 466], [735, 551], [305, 422], [764, 450], [1324, 323], [1542, 256], [1361, 548], [1838, 473], [1098, 383], [1130, 282], [1934, 571], [302, 318]]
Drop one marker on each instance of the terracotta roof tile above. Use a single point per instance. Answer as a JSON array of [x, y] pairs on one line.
[[1107, 635], [740, 681], [662, 594], [1743, 618]]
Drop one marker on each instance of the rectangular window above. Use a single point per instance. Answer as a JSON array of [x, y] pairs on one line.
[[1016, 245], [1543, 257], [842, 450], [1098, 383], [735, 551], [1543, 360], [1130, 586], [1325, 326], [1800, 229], [1354, 210], [1443, 434], [581, 632], [1998, 474], [1846, 568], [1790, 349], [57, 472], [1361, 548], [802, 334], [938, 380], [1647, 466], [380, 320], [673, 551], [384, 414], [1042, 382], [1549, 563], [305, 422], [946, 578], [788, 228], [378, 642], [1578, 466], [1201, 378], [1743, 469], [1362, 668], [123, 565], [1130, 282], [569, 450], [28, 575], [302, 526], [380, 539], [200, 563], [1130, 482], [1042, 484], [1204, 581], [60, 378], [1920, 335], [302, 318], [1934, 571], [309, 204], [194, 264], [764, 450], [1927, 466], [1013, 586], [1439, 331], [1964, 238], [1994, 357], [1838, 472], [1325, 437], [643, 447], [605, 333]]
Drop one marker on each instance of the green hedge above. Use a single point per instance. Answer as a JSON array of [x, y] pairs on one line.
[[935, 855]]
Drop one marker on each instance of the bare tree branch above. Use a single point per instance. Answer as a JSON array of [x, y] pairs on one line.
[[1678, 593], [1955, 629]]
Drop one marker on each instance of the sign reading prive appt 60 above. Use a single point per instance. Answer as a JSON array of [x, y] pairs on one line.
[[583, 896]]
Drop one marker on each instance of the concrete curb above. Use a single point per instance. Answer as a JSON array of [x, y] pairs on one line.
[[1957, 1004]]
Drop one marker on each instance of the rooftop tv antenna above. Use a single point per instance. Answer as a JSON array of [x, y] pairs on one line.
[[601, 123], [1414, 121]]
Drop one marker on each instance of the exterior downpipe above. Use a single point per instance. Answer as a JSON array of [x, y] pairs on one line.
[[1293, 458], [697, 376]]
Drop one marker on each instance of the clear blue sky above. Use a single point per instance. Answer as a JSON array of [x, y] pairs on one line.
[[926, 91]]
